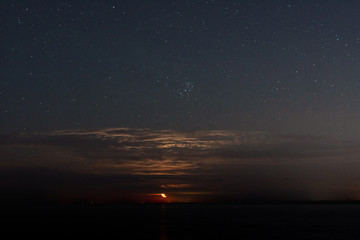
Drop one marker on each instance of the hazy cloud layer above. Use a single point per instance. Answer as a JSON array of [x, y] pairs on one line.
[[121, 163]]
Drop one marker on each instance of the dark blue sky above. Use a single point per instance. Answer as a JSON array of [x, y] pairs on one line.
[[246, 90], [280, 66]]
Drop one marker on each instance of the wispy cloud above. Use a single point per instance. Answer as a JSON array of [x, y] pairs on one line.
[[230, 163]]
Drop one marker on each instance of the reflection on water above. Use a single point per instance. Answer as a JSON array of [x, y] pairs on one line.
[[188, 221], [163, 235]]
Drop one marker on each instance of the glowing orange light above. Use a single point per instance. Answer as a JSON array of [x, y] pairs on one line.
[[163, 195]]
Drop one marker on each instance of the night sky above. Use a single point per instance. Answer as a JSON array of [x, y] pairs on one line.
[[205, 101]]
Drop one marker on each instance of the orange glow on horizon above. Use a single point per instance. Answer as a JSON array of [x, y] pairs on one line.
[[157, 197]]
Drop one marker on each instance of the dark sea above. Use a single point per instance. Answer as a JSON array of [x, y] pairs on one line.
[[185, 221]]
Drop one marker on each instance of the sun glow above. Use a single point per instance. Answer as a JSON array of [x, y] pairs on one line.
[[163, 195]]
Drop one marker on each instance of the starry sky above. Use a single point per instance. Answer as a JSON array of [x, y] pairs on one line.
[[161, 94]]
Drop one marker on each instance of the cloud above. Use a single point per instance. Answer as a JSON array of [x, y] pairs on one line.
[[228, 164], [181, 185]]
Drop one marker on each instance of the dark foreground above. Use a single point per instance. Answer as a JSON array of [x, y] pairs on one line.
[[186, 221]]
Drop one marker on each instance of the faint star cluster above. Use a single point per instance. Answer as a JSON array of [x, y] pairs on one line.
[[185, 91]]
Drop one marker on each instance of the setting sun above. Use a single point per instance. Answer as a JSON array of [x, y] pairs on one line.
[[163, 195]]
